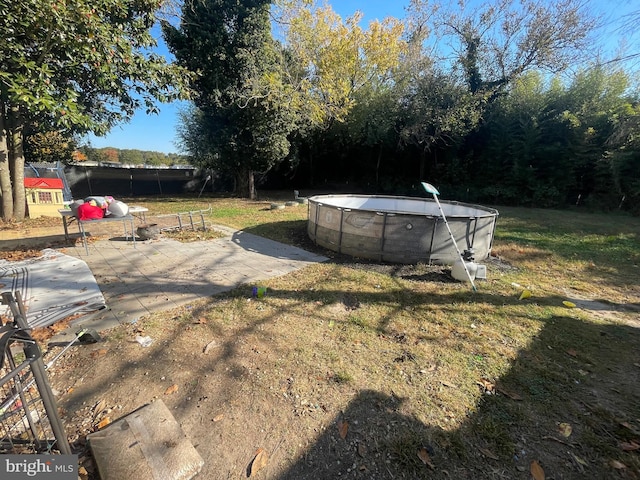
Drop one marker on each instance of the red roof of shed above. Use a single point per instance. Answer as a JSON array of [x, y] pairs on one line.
[[39, 182]]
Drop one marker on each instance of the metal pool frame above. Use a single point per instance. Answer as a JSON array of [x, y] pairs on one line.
[[398, 229]]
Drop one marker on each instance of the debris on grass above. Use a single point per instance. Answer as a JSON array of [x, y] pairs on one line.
[[343, 428], [565, 429], [488, 453], [259, 461], [171, 390], [525, 294], [423, 454], [537, 472]]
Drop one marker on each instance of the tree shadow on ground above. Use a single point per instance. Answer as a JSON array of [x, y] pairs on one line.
[[552, 388]]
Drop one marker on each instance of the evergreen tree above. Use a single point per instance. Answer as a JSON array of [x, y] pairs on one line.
[[241, 123]]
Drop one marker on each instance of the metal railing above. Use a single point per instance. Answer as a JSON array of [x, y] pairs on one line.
[[29, 420], [185, 220]]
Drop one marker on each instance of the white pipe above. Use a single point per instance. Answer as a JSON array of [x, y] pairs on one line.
[[431, 189]]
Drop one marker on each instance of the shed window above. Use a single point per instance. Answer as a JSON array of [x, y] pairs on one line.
[[45, 197]]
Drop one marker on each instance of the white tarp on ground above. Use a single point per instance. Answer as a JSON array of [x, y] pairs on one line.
[[53, 287]]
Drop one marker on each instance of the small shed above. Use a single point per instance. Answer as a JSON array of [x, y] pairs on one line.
[[44, 196]]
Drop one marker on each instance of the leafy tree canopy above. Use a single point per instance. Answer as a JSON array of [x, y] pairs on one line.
[[243, 122], [74, 67], [86, 65], [336, 58]]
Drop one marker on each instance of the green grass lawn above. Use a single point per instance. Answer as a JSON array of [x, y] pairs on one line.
[[487, 378], [435, 381]]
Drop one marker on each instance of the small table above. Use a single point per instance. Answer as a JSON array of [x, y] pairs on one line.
[[127, 222], [66, 213]]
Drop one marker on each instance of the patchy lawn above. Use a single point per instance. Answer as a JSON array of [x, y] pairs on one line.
[[353, 369]]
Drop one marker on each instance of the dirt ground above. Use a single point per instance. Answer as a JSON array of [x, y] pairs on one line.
[[231, 386], [224, 389]]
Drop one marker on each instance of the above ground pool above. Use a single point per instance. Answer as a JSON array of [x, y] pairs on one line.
[[400, 229]]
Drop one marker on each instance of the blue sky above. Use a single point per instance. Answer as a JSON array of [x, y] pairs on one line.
[[158, 132]]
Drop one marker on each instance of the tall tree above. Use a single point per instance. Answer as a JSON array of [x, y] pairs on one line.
[[338, 64], [502, 39], [243, 121], [371, 124], [438, 111], [546, 145], [340, 58], [601, 109], [622, 159], [492, 45], [82, 66]]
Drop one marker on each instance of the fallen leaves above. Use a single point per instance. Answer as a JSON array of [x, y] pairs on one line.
[[631, 446], [210, 346], [579, 461], [525, 294], [628, 426], [565, 429], [103, 423], [617, 465], [361, 450], [537, 471], [100, 407], [508, 393], [99, 353], [171, 390], [423, 454], [18, 255], [486, 386], [488, 453], [43, 334], [343, 428], [259, 461]]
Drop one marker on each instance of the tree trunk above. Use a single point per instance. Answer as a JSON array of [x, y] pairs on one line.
[[378, 162], [245, 184], [5, 176], [423, 160], [252, 185], [16, 165]]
